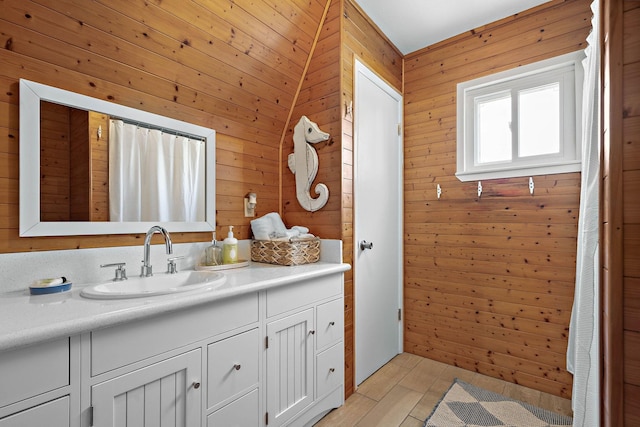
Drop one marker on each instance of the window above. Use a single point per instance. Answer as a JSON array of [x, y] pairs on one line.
[[521, 122]]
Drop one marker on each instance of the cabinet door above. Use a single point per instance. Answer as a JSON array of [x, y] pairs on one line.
[[167, 393], [289, 366]]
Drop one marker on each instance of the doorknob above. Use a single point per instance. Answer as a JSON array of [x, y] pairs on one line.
[[366, 245]]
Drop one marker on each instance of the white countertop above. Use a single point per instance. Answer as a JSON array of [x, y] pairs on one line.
[[26, 319]]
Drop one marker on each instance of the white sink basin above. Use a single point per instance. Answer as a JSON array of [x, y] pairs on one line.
[[158, 284]]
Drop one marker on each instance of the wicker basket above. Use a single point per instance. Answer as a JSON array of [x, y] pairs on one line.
[[293, 252]]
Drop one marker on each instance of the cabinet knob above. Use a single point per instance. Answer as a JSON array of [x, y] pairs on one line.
[[312, 332], [332, 323], [332, 369], [196, 384], [237, 366]]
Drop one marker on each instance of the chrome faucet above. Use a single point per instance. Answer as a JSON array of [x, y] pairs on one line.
[[147, 270]]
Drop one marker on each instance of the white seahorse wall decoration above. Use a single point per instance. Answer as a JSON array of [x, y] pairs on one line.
[[303, 162]]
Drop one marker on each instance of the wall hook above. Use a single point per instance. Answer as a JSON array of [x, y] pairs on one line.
[[479, 189], [99, 132], [531, 185], [348, 109], [438, 191]]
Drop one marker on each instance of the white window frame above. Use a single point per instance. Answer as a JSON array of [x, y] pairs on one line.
[[565, 69]]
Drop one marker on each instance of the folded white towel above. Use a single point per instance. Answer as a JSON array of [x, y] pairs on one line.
[[300, 229], [307, 236], [278, 227], [268, 227], [261, 228], [271, 227], [301, 237]]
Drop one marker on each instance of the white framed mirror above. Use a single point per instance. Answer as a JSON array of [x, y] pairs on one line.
[[38, 220]]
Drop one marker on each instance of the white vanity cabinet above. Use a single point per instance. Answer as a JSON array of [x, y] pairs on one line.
[[269, 356], [305, 350], [35, 384]]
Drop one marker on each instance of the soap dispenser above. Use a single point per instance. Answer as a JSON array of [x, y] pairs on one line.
[[230, 248], [213, 253]]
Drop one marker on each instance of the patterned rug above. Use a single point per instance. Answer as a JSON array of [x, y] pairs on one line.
[[467, 405]]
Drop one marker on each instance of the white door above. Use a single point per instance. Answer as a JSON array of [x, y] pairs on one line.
[[378, 221]]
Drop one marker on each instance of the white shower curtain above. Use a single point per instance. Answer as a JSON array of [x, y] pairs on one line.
[[154, 175], [583, 353]]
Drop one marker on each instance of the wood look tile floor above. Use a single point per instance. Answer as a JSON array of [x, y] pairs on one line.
[[404, 392]]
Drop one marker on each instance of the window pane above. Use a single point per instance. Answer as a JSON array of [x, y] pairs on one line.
[[493, 129], [539, 121]]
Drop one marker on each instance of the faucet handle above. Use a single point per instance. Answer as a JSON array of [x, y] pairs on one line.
[[121, 272], [172, 268]]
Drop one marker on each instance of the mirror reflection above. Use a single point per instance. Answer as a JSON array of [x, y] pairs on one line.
[[95, 167]]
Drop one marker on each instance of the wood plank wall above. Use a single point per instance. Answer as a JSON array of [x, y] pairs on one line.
[[612, 216], [99, 175], [79, 165], [621, 213], [73, 164], [54, 162], [489, 281], [319, 100], [230, 66], [631, 209]]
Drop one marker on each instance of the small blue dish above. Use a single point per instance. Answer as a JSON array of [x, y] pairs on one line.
[[35, 290]]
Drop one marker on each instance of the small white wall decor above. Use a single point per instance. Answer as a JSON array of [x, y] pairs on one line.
[[303, 163]]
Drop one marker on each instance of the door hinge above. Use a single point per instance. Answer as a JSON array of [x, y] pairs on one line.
[[266, 418], [266, 342], [399, 129], [399, 314], [90, 415]]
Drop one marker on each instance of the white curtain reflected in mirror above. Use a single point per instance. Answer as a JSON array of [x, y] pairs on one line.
[[154, 175]]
